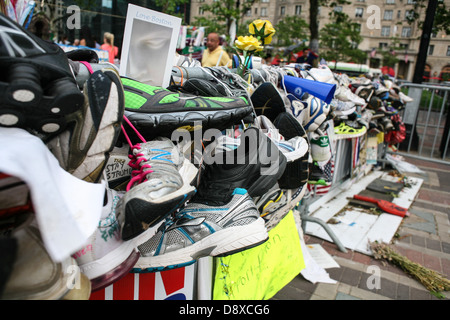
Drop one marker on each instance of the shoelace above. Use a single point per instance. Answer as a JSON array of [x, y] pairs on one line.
[[140, 171]]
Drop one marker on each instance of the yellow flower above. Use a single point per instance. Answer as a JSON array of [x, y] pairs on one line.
[[262, 29], [248, 43]]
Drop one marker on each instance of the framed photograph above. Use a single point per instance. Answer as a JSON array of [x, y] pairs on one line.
[[149, 46]]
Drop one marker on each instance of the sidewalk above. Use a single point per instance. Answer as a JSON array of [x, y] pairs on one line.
[[423, 237]]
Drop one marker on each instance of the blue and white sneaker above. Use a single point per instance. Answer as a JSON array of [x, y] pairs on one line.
[[315, 113], [200, 230]]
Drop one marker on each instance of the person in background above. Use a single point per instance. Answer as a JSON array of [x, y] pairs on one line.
[[214, 55], [108, 45], [86, 37]]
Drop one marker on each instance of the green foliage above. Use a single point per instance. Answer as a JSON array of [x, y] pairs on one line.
[[171, 6], [291, 30], [339, 39], [224, 12]]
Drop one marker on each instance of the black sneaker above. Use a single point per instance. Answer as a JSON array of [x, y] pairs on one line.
[[255, 164], [37, 86], [92, 132], [297, 172], [156, 111], [268, 101], [318, 176]]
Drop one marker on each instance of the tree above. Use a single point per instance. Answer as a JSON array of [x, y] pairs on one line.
[[291, 30], [340, 39], [224, 11], [171, 7], [314, 22]]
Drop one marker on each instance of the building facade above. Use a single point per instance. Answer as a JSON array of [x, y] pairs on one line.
[[383, 24]]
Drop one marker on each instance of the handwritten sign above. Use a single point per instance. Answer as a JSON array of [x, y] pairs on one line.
[[259, 273]]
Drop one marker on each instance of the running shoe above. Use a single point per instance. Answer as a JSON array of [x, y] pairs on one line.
[[268, 101], [201, 230], [296, 173], [318, 176], [160, 184], [349, 129], [293, 149], [155, 111], [313, 114], [34, 274], [37, 88], [106, 258], [276, 204], [320, 146], [255, 164], [92, 132], [342, 108]]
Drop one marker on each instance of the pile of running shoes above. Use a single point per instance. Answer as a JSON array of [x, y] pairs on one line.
[[204, 167]]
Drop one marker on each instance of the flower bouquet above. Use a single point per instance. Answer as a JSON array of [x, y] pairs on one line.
[[261, 32]]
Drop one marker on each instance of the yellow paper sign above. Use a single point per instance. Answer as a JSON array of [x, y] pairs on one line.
[[259, 273]]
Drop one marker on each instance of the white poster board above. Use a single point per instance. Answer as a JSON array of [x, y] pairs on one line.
[[149, 46]]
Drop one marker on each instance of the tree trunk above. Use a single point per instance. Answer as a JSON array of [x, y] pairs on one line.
[[314, 25]]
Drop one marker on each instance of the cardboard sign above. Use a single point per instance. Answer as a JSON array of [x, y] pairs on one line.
[[149, 46], [259, 273], [176, 284]]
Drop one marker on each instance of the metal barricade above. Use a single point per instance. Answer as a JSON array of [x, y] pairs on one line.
[[427, 121]]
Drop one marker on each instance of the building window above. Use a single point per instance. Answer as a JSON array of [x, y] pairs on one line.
[[359, 12], [399, 14], [382, 45], [390, 1], [298, 10], [338, 9], [406, 32], [385, 31], [448, 51], [264, 0], [263, 12], [409, 14], [430, 49], [411, 2], [388, 14], [200, 11], [403, 46], [248, 12], [282, 11]]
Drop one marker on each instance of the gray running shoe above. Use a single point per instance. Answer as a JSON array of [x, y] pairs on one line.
[[200, 230], [92, 132], [160, 184]]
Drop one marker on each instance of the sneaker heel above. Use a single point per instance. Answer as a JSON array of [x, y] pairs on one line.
[[24, 84], [67, 97]]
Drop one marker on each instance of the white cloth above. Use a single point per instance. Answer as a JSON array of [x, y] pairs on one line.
[[67, 209]]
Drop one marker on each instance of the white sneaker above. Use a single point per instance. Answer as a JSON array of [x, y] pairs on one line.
[[320, 146], [106, 258], [293, 149]]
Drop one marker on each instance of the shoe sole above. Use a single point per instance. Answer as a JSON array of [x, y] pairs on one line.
[[29, 104], [152, 124], [221, 243], [115, 274]]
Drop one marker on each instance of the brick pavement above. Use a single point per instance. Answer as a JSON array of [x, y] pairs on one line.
[[424, 238]]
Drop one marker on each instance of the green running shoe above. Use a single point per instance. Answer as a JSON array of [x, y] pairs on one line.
[[156, 111]]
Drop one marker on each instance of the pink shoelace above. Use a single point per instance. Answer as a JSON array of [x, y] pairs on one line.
[[140, 171]]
